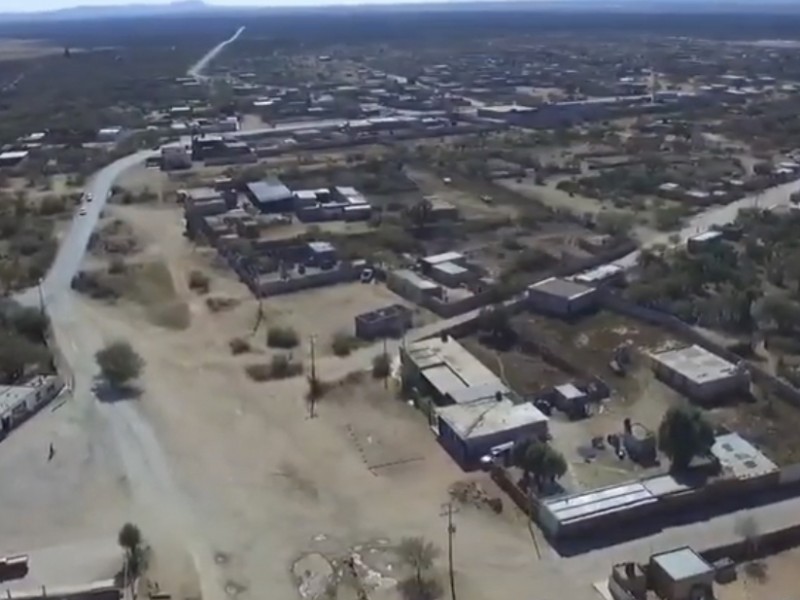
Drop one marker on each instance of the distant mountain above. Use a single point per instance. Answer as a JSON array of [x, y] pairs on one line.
[[199, 7], [179, 7]]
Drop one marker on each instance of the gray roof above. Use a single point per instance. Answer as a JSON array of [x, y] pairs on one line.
[[563, 288], [696, 364], [595, 503], [682, 563], [450, 268], [488, 417], [12, 396], [204, 193], [320, 247], [265, 191], [740, 458]]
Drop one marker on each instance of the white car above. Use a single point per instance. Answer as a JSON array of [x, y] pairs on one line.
[[82, 212], [88, 197]]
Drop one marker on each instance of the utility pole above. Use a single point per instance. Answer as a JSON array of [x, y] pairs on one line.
[[451, 531], [41, 296], [386, 358], [312, 396]]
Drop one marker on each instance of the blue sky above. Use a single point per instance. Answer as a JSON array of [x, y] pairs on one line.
[[37, 5]]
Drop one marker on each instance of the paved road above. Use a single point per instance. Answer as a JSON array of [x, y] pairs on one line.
[[147, 470], [718, 215]]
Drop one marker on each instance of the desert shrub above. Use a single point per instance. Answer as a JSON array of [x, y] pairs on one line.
[[282, 337], [381, 366], [199, 282], [218, 303], [52, 205], [258, 372], [343, 343], [116, 266], [239, 346], [282, 366]]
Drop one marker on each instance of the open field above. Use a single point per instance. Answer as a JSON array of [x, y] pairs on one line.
[[12, 49], [271, 485], [775, 576]]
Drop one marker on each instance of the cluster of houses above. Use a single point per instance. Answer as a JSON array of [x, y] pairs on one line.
[[234, 222]]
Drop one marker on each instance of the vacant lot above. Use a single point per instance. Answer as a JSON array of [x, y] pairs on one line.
[[11, 49], [772, 577]]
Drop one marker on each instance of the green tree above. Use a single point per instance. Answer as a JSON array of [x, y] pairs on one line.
[[496, 321], [683, 434], [540, 460], [420, 213], [136, 553], [29, 322], [17, 354], [119, 363], [418, 554], [615, 222]]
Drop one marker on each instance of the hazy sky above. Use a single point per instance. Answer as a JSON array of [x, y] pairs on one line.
[[36, 5]]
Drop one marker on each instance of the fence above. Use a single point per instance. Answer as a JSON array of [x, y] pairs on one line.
[[60, 364], [782, 389], [527, 503]]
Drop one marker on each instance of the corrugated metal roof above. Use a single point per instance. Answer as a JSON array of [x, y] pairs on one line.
[[442, 258], [587, 505], [450, 268]]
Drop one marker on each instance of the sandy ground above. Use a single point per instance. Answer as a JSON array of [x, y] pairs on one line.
[[773, 577], [12, 49], [263, 484]]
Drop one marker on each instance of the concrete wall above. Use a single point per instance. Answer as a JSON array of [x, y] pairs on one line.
[[239, 159], [345, 272], [393, 324], [451, 309], [109, 592], [615, 303]]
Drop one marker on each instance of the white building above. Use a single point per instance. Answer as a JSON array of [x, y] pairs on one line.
[[700, 374]]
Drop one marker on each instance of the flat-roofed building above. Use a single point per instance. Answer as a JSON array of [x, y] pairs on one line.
[[444, 369], [700, 374], [681, 574], [561, 297], [271, 196], [12, 158], [469, 431], [601, 508], [412, 285], [429, 262], [704, 240], [451, 274]]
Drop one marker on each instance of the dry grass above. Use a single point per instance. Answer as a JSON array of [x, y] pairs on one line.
[[148, 284]]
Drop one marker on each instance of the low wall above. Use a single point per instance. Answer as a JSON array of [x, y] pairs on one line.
[[525, 502], [451, 309], [285, 286], [60, 364], [761, 546], [616, 303]]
